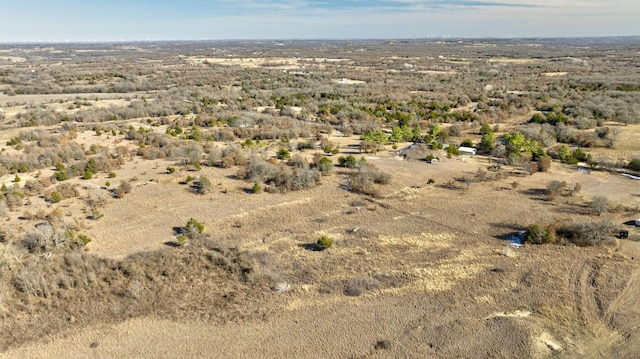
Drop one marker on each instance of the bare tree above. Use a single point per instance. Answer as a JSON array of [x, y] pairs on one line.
[[600, 204]]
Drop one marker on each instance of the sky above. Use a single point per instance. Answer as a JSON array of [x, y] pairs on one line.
[[150, 20]]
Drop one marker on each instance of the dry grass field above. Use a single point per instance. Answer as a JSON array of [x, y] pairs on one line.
[[420, 267]]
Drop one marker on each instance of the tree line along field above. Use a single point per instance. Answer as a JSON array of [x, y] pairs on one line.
[[285, 176]]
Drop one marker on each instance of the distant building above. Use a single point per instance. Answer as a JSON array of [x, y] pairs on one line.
[[467, 151]]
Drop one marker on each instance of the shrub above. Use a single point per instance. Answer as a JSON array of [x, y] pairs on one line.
[[544, 163], [82, 240], [283, 154], [634, 164], [171, 170], [537, 234], [358, 286], [112, 175], [17, 179], [125, 186], [452, 151], [368, 175], [61, 176], [95, 214], [203, 186], [555, 188], [193, 228], [467, 142], [182, 240], [45, 239], [325, 165], [349, 161], [87, 175], [256, 188], [600, 204], [324, 242], [589, 233], [430, 157], [55, 197]]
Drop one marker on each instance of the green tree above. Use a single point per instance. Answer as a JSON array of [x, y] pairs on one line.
[[324, 242], [487, 142], [283, 154], [349, 161], [467, 142], [514, 142], [193, 228], [396, 134], [325, 165], [538, 234], [91, 166]]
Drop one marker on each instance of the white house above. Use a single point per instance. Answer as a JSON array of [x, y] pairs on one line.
[[467, 151]]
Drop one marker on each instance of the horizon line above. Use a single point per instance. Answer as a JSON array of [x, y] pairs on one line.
[[441, 37]]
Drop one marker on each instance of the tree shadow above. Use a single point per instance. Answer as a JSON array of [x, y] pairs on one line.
[[574, 208], [172, 244], [310, 247], [535, 193], [512, 227]]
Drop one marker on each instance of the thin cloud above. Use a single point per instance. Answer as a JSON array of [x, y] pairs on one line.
[[237, 8]]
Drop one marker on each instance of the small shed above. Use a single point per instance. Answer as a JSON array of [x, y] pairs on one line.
[[467, 151]]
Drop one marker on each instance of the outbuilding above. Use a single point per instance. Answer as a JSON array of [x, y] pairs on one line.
[[467, 151]]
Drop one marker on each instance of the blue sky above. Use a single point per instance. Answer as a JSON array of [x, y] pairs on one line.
[[119, 20]]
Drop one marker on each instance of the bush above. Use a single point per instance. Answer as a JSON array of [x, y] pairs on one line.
[[589, 233], [325, 165], [349, 161], [467, 142], [125, 186], [600, 204], [430, 157], [61, 176], [182, 240], [87, 175], [256, 188], [634, 164], [368, 175], [324, 242], [203, 186], [171, 170], [46, 239], [95, 214], [193, 228], [55, 197], [112, 175], [283, 154], [82, 240], [358, 286], [544, 163], [537, 234]]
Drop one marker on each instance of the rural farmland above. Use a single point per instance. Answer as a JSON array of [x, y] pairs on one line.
[[321, 199]]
